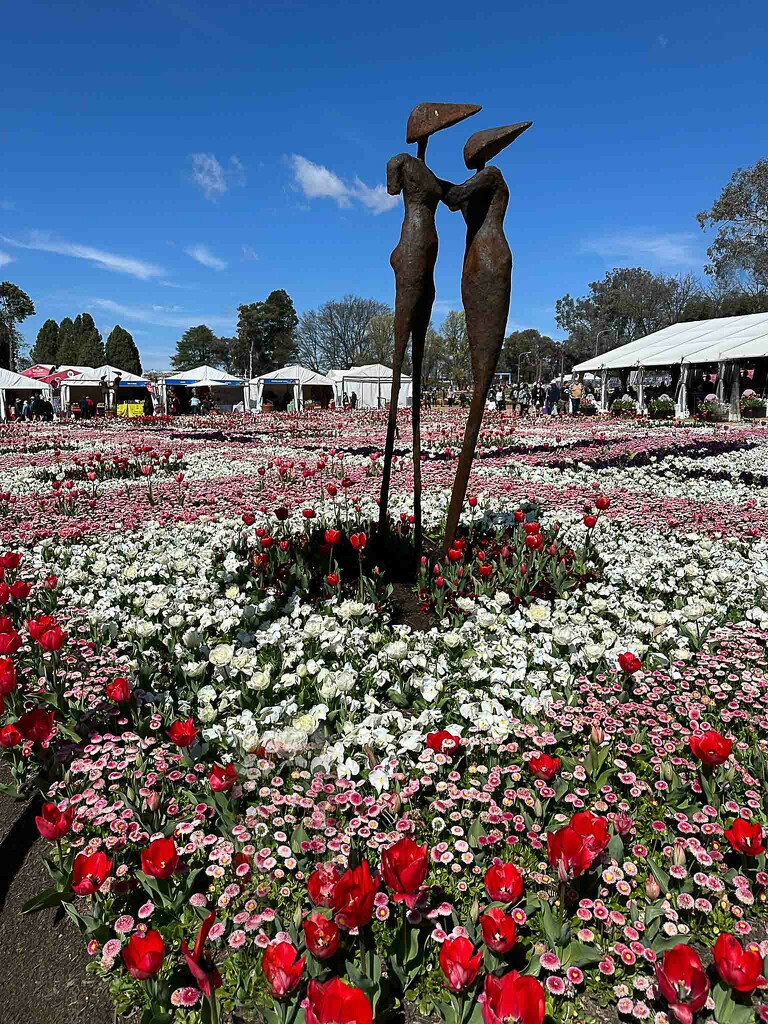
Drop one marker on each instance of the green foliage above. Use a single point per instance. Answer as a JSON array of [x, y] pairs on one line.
[[535, 354], [338, 333], [198, 346], [90, 347], [67, 350], [15, 307], [265, 335], [741, 215], [46, 349], [121, 350]]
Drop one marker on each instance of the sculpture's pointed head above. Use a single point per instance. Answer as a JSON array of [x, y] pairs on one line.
[[428, 118], [483, 146]]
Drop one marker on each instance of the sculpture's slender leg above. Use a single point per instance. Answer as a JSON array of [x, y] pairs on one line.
[[471, 433], [420, 327], [402, 332]]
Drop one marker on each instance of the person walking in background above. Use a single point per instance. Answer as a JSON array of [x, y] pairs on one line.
[[553, 397], [353, 400], [577, 391], [523, 399]]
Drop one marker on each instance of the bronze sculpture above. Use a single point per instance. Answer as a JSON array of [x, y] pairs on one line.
[[486, 284], [413, 261]]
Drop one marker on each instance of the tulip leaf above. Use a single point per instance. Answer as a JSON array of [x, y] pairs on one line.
[[46, 899]]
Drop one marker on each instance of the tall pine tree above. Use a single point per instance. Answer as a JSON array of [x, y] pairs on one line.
[[46, 349], [89, 346], [121, 350], [67, 353]]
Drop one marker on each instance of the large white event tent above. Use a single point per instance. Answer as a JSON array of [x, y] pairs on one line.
[[294, 382], [204, 377], [372, 384], [723, 341], [13, 385]]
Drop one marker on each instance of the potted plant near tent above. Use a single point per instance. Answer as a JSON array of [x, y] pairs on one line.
[[661, 408], [751, 405]]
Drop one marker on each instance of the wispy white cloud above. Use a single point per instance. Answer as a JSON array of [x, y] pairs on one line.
[[318, 182], [203, 255], [213, 177], [663, 41], [5, 257], [247, 252], [161, 316], [41, 242], [664, 249]]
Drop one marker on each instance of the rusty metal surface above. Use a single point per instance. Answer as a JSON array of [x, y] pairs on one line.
[[413, 262], [486, 284], [427, 118], [485, 145]]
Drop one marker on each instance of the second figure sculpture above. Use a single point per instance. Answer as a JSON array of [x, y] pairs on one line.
[[485, 284]]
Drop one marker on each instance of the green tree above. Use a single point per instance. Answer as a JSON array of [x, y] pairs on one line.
[[67, 353], [456, 347], [46, 349], [380, 340], [530, 355], [199, 346], [15, 307], [89, 344], [740, 214], [121, 350], [265, 335]]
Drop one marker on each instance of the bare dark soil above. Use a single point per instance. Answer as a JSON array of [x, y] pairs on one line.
[[43, 958]]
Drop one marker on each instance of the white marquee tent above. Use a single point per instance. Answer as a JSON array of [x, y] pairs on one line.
[[723, 341], [719, 340], [14, 382], [297, 383], [372, 384], [205, 377]]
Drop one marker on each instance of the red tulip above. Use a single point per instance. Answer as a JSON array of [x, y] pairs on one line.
[[321, 936], [740, 968], [89, 873], [321, 883], [542, 766], [10, 560], [443, 742], [7, 677], [358, 541], [20, 590], [10, 642], [682, 982], [574, 848], [281, 968], [332, 537], [332, 579], [207, 977], [512, 998], [160, 859], [144, 955], [53, 823], [710, 747], [183, 733], [404, 867], [603, 502], [222, 779], [590, 521], [629, 663], [459, 963], [504, 883], [9, 736], [499, 930], [334, 1002], [36, 725], [119, 690], [352, 898], [52, 639], [36, 627], [746, 837]]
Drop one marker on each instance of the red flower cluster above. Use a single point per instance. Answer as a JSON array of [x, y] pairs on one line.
[[574, 848]]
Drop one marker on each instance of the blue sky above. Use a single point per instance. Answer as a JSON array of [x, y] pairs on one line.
[[163, 162]]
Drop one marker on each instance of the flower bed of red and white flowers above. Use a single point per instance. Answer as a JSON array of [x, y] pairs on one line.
[[266, 797]]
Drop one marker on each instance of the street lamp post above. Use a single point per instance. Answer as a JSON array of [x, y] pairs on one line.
[[526, 353]]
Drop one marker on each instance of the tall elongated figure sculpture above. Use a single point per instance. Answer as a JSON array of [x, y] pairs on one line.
[[486, 284], [413, 261]]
